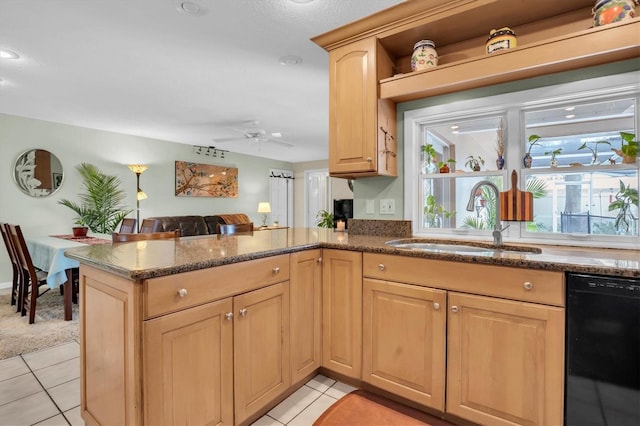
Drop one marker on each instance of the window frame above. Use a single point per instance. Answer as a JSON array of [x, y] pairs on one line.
[[513, 107]]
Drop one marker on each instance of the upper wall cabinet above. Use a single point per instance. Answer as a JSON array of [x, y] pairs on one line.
[[370, 62], [362, 128]]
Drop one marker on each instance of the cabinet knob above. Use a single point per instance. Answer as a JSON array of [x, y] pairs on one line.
[[436, 305], [381, 266], [243, 312], [276, 270], [182, 292], [454, 309], [369, 159], [319, 260], [528, 285], [228, 316]]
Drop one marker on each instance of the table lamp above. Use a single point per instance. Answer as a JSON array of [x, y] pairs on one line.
[[264, 207]]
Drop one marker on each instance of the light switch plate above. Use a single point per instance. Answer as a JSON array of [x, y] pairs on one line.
[[387, 206], [370, 207]]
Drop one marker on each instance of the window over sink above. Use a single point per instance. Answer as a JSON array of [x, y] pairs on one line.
[[572, 133]]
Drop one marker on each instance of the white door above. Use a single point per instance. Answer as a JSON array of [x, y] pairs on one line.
[[281, 197], [317, 195]]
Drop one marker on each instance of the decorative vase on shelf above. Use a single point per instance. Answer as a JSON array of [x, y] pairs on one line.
[[610, 11], [424, 55], [554, 163], [445, 168], [428, 167], [500, 162], [527, 160]]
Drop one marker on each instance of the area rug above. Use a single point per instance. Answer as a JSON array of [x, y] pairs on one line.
[[17, 336]]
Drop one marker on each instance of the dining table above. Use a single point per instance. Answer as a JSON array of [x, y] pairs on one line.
[[47, 254]]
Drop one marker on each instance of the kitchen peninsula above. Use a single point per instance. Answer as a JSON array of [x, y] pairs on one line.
[[219, 329]]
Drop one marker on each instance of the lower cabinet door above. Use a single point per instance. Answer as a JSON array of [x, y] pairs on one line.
[[188, 366], [505, 361], [261, 348], [404, 340], [306, 316]]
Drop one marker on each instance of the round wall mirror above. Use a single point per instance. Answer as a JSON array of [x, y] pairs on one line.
[[38, 173]]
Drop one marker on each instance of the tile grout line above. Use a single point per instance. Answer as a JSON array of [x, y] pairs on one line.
[[46, 391]]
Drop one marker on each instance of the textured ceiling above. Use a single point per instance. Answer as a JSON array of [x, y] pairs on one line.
[[144, 68]]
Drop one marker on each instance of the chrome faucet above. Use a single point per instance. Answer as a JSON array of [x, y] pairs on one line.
[[497, 229]]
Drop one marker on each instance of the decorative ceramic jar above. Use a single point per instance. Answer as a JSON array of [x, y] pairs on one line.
[[527, 160], [500, 162], [501, 39], [424, 55], [610, 11]]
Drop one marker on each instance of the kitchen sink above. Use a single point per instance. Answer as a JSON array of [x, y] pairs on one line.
[[455, 247]]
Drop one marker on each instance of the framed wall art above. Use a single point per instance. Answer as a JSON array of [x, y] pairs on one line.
[[206, 180]]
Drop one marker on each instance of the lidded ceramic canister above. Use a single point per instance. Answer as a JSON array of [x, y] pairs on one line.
[[424, 55], [502, 39], [610, 11]]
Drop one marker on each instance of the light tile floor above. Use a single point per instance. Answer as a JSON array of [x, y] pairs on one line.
[[43, 388]]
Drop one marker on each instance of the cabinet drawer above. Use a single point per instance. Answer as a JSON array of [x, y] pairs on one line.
[[530, 285], [163, 294]]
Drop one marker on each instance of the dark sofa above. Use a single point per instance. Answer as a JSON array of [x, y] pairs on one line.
[[198, 225]]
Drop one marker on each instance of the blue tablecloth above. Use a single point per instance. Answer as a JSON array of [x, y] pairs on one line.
[[47, 253]]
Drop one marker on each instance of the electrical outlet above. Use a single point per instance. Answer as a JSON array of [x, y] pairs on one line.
[[387, 206], [370, 207]]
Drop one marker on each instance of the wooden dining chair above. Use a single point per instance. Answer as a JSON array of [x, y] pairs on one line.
[[117, 237], [128, 225], [34, 281], [235, 228], [16, 289], [149, 225]]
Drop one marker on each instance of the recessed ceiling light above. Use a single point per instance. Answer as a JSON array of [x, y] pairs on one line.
[[189, 7], [570, 116], [569, 108], [8, 54], [290, 60], [454, 127], [301, 1]]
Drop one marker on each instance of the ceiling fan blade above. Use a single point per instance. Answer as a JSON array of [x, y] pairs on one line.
[[225, 140], [281, 142]]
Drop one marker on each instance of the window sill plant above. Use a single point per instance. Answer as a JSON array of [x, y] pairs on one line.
[[625, 200], [554, 153], [629, 149], [474, 163], [527, 159]]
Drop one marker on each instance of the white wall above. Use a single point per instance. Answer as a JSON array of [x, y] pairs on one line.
[[111, 152]]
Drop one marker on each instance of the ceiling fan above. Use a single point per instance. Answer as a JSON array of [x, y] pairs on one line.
[[252, 133]]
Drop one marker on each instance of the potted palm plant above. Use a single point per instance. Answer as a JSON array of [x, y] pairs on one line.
[[100, 208]]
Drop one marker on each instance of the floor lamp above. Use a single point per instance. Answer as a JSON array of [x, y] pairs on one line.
[[140, 195]]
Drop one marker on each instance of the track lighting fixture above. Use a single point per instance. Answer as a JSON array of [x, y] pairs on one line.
[[209, 151]]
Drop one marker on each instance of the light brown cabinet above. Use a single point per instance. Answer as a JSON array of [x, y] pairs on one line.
[[306, 313], [203, 347], [370, 62], [188, 366], [260, 348], [362, 128], [404, 343], [504, 353], [342, 311], [505, 361]]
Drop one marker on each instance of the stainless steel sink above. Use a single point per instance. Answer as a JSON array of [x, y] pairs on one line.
[[438, 247], [455, 247]]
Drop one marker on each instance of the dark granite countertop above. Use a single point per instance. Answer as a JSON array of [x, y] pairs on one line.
[[149, 259]]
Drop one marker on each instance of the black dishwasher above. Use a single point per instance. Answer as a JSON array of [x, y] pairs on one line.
[[602, 385]]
